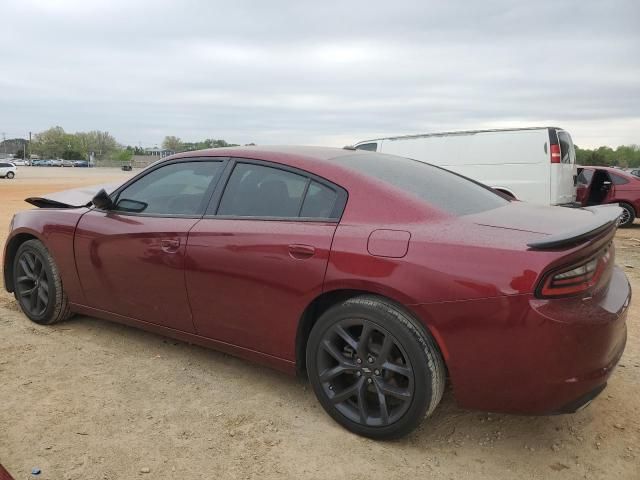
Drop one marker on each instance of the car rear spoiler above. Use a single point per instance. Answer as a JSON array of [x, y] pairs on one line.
[[605, 217]]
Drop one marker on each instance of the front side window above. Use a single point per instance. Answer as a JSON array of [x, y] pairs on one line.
[[174, 189], [585, 176]]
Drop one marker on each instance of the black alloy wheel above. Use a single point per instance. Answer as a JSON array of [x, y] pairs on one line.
[[32, 283], [37, 284], [365, 372], [374, 367]]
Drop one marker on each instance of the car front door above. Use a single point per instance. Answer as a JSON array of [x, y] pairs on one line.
[[585, 175], [259, 256], [130, 259]]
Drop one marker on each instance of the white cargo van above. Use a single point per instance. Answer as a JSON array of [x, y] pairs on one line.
[[536, 165]]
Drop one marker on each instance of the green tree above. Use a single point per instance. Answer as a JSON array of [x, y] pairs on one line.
[[172, 143]]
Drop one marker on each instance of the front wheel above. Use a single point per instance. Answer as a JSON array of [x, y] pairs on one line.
[[374, 369], [37, 284], [628, 215]]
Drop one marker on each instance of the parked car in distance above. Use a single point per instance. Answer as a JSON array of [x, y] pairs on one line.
[[54, 162], [67, 163], [7, 170], [80, 163], [20, 162], [603, 185], [536, 165], [279, 255], [635, 172]]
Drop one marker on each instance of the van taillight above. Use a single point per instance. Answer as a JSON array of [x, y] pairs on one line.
[[555, 153], [577, 278]]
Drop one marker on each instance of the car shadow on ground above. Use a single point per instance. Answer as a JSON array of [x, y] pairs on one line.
[[449, 427]]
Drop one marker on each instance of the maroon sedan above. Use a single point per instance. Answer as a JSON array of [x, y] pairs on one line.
[[603, 185], [377, 276]]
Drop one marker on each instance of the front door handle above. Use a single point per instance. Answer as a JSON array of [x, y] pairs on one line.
[[170, 245], [301, 251]]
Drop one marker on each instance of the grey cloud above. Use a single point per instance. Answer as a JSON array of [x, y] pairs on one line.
[[319, 72]]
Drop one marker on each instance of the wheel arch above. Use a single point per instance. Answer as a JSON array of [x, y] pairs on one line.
[[628, 202], [10, 251], [328, 299]]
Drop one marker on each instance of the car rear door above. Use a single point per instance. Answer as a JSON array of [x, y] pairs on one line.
[[130, 259], [259, 256]]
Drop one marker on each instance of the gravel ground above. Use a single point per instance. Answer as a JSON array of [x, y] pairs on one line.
[[89, 399]]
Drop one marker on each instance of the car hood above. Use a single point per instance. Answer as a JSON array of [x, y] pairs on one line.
[[73, 198], [552, 226]]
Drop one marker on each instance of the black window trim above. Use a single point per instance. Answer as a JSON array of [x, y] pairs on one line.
[[203, 206], [338, 207]]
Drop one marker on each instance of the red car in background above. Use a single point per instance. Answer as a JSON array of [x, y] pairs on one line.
[[379, 277], [604, 185]]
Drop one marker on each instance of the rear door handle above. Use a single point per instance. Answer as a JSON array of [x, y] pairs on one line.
[[170, 245], [301, 251]]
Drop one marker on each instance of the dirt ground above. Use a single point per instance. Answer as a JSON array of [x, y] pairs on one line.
[[89, 399]]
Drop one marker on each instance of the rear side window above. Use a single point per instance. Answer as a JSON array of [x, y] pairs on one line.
[[369, 147], [440, 188], [617, 179], [567, 151], [260, 191], [319, 201]]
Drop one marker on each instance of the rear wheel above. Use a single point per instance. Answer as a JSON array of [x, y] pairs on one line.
[[628, 215], [374, 369], [37, 284], [10, 175]]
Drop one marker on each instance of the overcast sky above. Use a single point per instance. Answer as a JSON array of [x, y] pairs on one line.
[[319, 72]]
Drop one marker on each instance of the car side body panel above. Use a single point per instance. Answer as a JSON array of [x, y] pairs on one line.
[[55, 228]]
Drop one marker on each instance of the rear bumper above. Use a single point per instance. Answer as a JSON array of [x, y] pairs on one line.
[[524, 355]]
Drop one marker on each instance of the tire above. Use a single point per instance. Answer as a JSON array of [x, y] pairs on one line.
[[37, 284], [10, 175], [381, 386], [628, 216]]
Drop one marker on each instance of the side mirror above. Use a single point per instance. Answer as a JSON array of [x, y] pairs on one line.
[[102, 200], [133, 206]]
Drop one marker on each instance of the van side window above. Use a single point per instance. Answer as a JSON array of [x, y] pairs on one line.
[[369, 147]]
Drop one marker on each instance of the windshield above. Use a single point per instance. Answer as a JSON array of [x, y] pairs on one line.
[[440, 188]]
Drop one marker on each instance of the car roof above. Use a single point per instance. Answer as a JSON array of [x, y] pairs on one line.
[[617, 171], [270, 152]]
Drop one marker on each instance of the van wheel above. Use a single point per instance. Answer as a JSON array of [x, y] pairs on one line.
[[374, 369], [628, 215]]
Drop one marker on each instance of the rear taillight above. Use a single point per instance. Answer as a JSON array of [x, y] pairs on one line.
[[578, 278], [555, 153]]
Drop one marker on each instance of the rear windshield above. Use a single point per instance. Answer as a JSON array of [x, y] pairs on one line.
[[440, 188]]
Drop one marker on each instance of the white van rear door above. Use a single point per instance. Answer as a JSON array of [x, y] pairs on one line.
[[563, 174]]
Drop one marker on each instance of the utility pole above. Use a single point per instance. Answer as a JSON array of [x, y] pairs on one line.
[[4, 143]]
